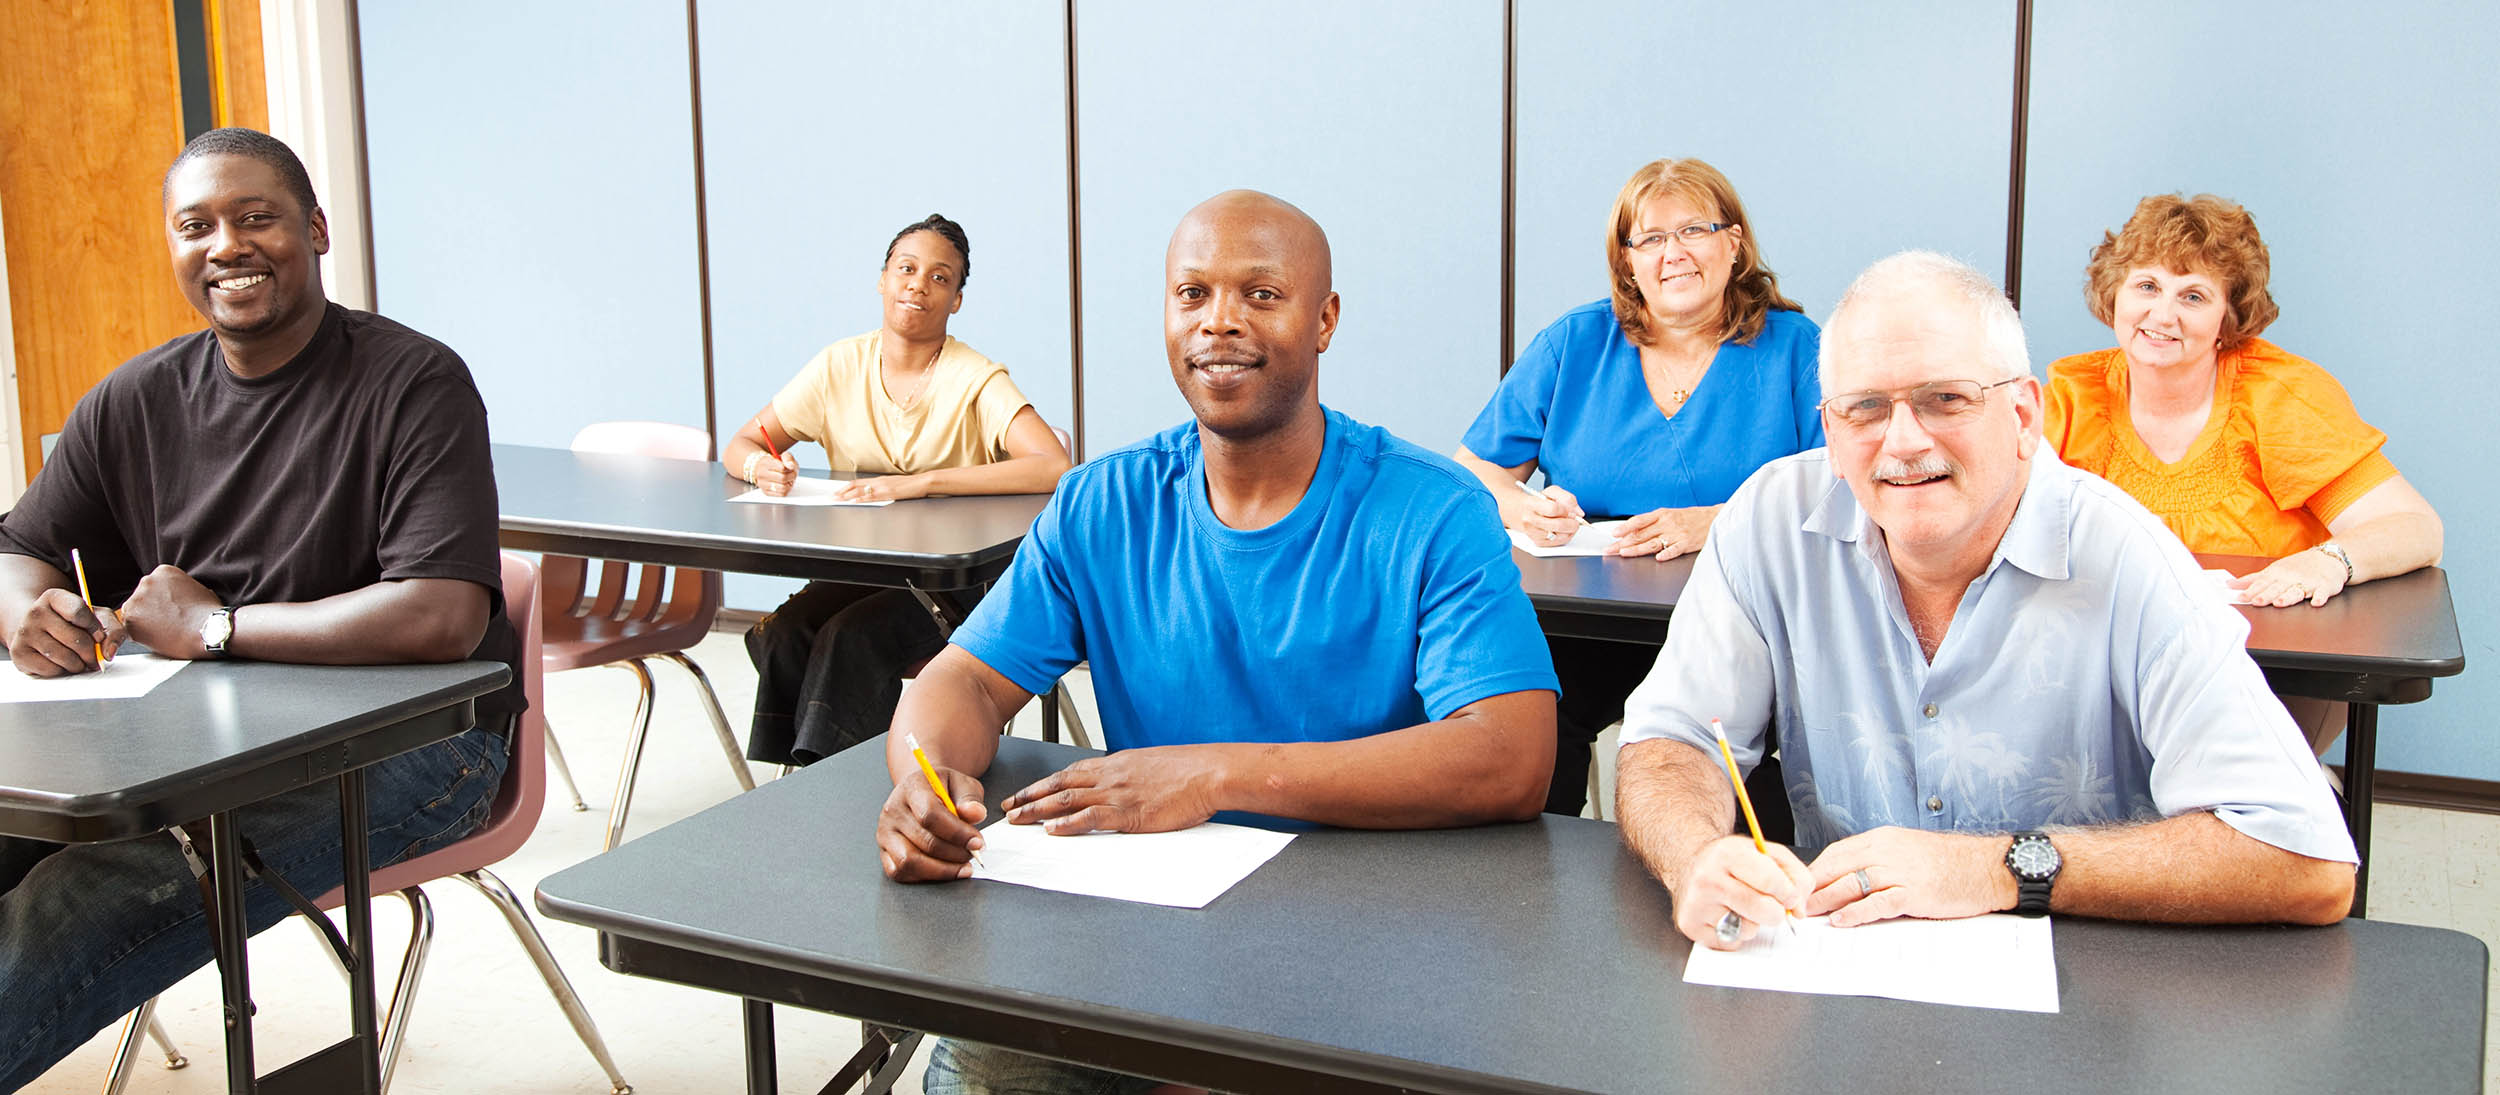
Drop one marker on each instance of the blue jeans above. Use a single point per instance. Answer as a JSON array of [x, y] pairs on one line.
[[89, 932], [969, 1068]]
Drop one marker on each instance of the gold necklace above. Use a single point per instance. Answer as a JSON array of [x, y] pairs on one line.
[[1679, 395], [918, 390]]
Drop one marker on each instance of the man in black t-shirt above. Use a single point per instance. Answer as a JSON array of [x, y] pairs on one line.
[[299, 483]]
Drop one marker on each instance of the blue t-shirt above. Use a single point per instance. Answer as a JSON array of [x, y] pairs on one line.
[[1576, 404], [1387, 598]]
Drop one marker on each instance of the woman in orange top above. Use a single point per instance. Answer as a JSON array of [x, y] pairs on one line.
[[2241, 448]]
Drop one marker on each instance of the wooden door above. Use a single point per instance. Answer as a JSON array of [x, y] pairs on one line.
[[91, 112]]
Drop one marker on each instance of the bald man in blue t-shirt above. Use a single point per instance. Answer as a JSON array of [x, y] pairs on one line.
[[1287, 612]]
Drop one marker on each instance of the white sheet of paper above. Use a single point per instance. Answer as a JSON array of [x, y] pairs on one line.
[[2221, 580], [127, 676], [1592, 538], [806, 492], [1994, 961], [1185, 869]]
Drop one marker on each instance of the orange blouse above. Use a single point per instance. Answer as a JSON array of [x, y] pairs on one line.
[[2282, 453]]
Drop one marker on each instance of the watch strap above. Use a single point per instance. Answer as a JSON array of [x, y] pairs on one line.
[[2033, 897], [225, 635]]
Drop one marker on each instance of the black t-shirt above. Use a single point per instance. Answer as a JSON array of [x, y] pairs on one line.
[[364, 459]]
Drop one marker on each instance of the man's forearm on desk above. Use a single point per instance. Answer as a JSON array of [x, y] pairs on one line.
[[1488, 761], [386, 623], [2194, 868]]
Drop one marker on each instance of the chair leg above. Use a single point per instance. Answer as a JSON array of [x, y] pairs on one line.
[[165, 1043], [555, 760], [720, 721], [411, 968], [494, 890], [624, 800], [134, 1029], [1068, 717]]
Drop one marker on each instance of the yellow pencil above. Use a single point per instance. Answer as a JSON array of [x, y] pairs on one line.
[[936, 784], [80, 565], [1743, 800]]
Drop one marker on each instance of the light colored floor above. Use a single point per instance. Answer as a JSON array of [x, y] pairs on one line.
[[485, 1026]]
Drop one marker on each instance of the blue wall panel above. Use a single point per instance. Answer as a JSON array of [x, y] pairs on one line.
[[1381, 120], [1850, 131], [533, 193], [2347, 133], [829, 127]]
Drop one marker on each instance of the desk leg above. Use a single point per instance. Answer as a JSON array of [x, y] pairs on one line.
[[763, 1074], [357, 858], [2360, 774], [225, 869]]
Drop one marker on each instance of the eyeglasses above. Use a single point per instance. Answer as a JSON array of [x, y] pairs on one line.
[[1939, 404], [1691, 234]]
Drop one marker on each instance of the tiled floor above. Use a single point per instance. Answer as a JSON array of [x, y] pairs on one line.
[[485, 1026]]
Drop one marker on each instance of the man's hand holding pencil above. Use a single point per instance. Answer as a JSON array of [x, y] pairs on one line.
[[1730, 876], [61, 635]]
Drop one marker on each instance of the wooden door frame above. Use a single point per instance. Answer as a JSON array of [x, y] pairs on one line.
[[10, 428]]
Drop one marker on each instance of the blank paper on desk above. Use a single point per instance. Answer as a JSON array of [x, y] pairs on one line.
[[1186, 869], [1591, 538], [807, 492], [128, 676], [1994, 961]]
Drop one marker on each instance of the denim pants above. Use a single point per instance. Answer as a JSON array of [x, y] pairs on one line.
[[969, 1068], [88, 932]]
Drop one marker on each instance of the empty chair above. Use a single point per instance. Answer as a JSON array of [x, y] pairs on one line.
[[633, 613]]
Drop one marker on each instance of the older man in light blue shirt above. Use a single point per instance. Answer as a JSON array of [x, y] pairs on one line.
[[1997, 682]]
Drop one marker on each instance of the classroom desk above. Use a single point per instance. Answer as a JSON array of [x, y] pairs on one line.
[[219, 736], [1525, 957], [642, 509], [2379, 642], [675, 512]]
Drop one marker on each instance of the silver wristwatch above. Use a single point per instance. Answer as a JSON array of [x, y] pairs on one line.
[[2342, 556], [216, 631]]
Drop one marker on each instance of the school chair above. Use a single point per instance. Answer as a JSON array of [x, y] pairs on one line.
[[624, 618], [510, 821]]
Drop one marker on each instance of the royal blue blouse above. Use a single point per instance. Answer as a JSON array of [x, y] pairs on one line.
[[1576, 404]]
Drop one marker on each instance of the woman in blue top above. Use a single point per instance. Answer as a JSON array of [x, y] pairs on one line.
[[1654, 406]]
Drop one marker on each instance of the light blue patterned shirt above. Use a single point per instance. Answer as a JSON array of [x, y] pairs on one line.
[[2090, 674]]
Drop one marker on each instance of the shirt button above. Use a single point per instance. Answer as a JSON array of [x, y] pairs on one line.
[[1935, 804], [1931, 710]]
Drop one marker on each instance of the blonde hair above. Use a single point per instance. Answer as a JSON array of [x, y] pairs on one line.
[[1752, 290], [2176, 233]]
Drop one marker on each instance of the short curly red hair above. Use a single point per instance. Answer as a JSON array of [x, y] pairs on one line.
[[2180, 234]]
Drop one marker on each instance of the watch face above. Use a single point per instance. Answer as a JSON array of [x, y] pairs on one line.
[[2033, 859]]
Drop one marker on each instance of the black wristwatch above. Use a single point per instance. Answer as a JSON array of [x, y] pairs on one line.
[[2035, 864]]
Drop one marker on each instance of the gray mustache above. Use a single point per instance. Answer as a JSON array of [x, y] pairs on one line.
[[1914, 469]]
